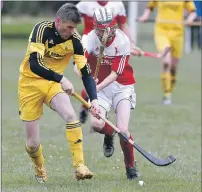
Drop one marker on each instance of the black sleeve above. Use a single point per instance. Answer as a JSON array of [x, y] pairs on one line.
[[37, 67], [89, 82], [87, 78]]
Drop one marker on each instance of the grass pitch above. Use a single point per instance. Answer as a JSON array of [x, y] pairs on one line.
[[161, 130]]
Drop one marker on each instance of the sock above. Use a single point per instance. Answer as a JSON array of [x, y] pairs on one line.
[[166, 83], [173, 82], [84, 96], [128, 152], [107, 130], [75, 139], [36, 155]]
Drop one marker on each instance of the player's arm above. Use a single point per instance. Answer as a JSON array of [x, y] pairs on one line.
[[190, 7], [123, 25], [107, 81], [117, 67], [122, 21], [151, 5], [81, 62], [37, 40]]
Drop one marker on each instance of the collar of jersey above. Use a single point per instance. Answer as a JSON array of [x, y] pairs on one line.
[[110, 41]]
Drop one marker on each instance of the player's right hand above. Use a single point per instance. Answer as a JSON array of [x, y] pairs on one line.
[[142, 19], [67, 86]]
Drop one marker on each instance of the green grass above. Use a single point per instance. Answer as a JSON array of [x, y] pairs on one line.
[[161, 130], [22, 29]]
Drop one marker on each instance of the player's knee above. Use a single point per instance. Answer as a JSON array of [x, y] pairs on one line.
[[166, 66], [123, 129], [97, 125], [69, 116]]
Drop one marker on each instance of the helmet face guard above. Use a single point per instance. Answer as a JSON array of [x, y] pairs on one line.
[[104, 22]]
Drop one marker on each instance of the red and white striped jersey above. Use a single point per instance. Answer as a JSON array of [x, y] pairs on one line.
[[87, 10], [116, 57]]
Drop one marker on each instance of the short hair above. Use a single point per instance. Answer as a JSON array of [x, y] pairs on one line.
[[69, 12]]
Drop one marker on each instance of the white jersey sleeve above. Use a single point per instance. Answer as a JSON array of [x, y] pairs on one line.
[[122, 10], [123, 43], [88, 41], [81, 6], [120, 13]]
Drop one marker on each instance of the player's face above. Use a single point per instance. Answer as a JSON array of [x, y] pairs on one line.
[[65, 28], [100, 33]]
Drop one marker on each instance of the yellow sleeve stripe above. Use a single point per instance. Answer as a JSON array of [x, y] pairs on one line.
[[40, 32], [76, 36], [50, 24], [40, 61]]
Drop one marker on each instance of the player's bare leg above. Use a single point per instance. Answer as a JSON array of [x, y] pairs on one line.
[[98, 125], [122, 119], [166, 78], [34, 149], [62, 105], [173, 72]]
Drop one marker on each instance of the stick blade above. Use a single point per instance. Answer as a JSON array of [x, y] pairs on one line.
[[156, 161], [163, 162], [172, 158]]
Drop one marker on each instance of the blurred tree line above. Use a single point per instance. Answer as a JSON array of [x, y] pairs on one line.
[[33, 8], [36, 8]]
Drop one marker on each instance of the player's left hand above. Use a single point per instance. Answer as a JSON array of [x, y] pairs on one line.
[[95, 109]]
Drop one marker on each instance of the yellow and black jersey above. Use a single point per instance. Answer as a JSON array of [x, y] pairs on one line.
[[171, 10], [48, 54]]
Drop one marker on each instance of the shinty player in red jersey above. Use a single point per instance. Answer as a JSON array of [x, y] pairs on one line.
[[87, 11], [115, 84]]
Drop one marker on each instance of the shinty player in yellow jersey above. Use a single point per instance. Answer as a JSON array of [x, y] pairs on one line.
[[170, 34], [50, 47]]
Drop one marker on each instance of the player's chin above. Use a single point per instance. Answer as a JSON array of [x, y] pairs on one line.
[[65, 36]]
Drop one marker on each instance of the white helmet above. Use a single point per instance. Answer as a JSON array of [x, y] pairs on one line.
[[104, 20]]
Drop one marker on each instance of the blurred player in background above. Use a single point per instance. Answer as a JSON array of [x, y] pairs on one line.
[[198, 5], [51, 46], [115, 83], [171, 35], [87, 10]]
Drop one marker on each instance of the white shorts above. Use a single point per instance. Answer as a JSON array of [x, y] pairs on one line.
[[111, 95]]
